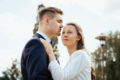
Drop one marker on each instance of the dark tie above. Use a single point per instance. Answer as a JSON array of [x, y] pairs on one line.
[[51, 42]]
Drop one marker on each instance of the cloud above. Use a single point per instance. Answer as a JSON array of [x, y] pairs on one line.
[[112, 6], [15, 32], [14, 27], [95, 6], [101, 8]]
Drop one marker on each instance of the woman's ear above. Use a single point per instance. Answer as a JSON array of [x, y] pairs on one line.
[[78, 38]]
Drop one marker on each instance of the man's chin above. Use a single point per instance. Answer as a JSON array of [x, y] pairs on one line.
[[58, 34]]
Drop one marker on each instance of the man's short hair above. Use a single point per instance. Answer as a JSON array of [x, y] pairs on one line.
[[50, 11]]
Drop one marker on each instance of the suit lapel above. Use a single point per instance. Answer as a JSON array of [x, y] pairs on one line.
[[36, 35]]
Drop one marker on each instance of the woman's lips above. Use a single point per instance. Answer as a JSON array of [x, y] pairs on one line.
[[65, 39]]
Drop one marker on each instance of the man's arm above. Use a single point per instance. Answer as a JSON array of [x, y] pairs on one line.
[[36, 63]]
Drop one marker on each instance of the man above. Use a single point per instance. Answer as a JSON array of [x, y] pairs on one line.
[[34, 61]]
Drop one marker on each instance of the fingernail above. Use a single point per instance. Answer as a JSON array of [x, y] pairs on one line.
[[41, 39]]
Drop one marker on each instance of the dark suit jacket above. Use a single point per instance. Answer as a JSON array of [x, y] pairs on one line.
[[34, 60]]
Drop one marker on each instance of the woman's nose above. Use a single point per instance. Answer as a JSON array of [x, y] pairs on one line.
[[65, 34]]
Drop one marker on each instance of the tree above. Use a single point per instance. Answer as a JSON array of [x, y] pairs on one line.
[[40, 7], [112, 58], [12, 73]]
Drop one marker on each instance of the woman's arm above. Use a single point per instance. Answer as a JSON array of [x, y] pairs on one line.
[[70, 71]]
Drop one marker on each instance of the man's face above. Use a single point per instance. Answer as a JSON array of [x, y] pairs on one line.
[[55, 25]]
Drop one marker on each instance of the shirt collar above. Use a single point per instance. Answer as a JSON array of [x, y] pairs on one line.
[[45, 36]]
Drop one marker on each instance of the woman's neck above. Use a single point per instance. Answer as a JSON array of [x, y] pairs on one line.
[[71, 49]]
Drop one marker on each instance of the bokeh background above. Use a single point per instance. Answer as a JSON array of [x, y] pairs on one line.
[[18, 19]]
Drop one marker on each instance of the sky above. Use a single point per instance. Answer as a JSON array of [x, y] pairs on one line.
[[17, 19]]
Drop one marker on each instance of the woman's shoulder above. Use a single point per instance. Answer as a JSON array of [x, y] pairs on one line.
[[77, 54], [82, 54]]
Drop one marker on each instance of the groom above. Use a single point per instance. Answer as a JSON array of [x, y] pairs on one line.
[[34, 60]]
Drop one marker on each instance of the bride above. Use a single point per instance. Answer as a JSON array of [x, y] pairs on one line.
[[79, 65]]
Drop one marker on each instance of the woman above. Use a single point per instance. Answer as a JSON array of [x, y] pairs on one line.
[[79, 64]]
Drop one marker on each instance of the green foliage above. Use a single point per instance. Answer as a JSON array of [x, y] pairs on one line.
[[12, 73], [37, 21], [54, 43], [112, 58]]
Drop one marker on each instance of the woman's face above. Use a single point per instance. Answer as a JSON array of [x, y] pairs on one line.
[[69, 36]]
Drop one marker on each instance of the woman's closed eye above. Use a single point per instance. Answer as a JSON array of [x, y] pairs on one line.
[[69, 32]]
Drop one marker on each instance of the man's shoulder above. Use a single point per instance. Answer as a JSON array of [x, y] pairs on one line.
[[34, 41], [33, 45]]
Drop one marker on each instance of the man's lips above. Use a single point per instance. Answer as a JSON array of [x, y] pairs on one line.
[[60, 29]]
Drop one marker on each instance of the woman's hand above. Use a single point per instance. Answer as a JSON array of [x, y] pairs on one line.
[[48, 49], [47, 46]]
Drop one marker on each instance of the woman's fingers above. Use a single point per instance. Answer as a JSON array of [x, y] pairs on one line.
[[43, 42], [48, 49], [46, 45]]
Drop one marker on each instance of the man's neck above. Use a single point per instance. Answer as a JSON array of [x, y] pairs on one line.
[[44, 35], [45, 32]]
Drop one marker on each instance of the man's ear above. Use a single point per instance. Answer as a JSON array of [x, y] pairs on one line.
[[46, 19]]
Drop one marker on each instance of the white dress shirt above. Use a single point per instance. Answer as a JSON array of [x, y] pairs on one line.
[[77, 68]]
